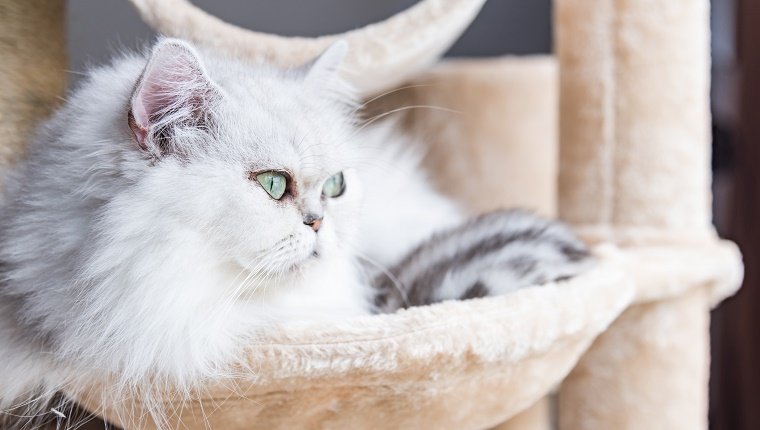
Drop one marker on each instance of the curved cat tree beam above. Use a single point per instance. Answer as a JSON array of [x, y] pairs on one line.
[[382, 55]]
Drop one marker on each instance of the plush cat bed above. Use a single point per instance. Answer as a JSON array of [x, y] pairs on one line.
[[461, 364], [626, 342], [385, 372]]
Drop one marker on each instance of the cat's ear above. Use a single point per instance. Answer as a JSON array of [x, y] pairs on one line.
[[174, 90], [324, 69]]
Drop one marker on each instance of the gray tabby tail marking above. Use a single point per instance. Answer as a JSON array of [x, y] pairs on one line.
[[491, 254]]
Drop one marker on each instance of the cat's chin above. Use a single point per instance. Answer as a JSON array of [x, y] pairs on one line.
[[297, 266], [284, 276], [302, 266]]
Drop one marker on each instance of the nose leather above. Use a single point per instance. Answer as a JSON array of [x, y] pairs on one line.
[[314, 221]]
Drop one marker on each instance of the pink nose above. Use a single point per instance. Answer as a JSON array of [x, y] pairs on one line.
[[314, 223]]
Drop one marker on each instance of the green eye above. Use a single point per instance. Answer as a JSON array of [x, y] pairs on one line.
[[334, 186], [274, 183]]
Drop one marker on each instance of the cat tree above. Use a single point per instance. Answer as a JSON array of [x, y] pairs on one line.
[[620, 115]]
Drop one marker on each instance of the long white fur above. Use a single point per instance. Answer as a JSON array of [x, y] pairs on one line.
[[123, 263]]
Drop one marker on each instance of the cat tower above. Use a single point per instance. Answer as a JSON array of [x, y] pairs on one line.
[[611, 134]]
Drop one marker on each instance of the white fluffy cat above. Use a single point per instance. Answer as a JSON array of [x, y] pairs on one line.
[[180, 201]]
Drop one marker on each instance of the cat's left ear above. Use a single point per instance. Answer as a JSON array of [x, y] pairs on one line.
[[174, 91], [324, 70]]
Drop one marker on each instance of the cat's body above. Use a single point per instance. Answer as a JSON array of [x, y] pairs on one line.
[[139, 241]]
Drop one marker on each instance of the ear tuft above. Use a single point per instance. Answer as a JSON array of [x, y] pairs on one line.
[[173, 91]]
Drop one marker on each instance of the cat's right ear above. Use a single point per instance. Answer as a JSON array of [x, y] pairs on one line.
[[173, 91]]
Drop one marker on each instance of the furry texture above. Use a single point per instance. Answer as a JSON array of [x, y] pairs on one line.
[[38, 27], [492, 254], [454, 365], [138, 247], [174, 217], [634, 171]]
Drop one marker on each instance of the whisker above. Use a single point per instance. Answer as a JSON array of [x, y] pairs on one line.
[[397, 284], [403, 108], [387, 93]]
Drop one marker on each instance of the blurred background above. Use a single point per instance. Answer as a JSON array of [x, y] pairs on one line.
[[97, 29]]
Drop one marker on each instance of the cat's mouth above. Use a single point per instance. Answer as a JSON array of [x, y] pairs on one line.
[[308, 259], [292, 255], [299, 265]]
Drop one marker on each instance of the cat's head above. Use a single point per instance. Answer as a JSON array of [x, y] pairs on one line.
[[255, 161]]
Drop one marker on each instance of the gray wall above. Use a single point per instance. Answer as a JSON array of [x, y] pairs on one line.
[[97, 28]]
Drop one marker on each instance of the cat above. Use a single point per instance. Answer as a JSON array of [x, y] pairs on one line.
[[180, 201]]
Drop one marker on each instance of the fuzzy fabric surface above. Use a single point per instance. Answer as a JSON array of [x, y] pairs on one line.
[[385, 372], [31, 71], [635, 171], [480, 117], [634, 119]]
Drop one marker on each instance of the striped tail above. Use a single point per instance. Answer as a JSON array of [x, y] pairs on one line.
[[491, 254]]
